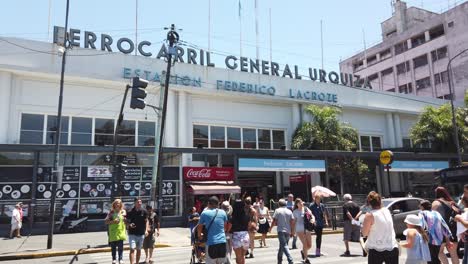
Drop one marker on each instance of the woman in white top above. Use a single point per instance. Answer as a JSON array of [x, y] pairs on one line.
[[378, 227], [304, 235], [264, 219]]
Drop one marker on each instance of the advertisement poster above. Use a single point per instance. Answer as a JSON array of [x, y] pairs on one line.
[[170, 188], [95, 190], [71, 174], [134, 189], [147, 173], [8, 210], [94, 206], [99, 172], [16, 174], [15, 191], [132, 174], [44, 174]]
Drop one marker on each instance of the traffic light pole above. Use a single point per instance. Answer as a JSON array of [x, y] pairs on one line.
[[172, 37], [55, 171], [116, 170]]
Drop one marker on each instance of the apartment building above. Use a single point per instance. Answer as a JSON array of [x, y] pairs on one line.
[[416, 47]]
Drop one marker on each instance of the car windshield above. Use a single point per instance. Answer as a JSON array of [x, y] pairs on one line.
[[386, 203]]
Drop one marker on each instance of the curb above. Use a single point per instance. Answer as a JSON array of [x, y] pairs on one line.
[[107, 249], [67, 253]]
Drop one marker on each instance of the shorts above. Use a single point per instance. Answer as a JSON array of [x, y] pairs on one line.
[[135, 241], [149, 241], [241, 240], [351, 232], [209, 260]]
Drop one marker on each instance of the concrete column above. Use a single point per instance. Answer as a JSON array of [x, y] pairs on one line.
[[390, 131], [427, 36], [410, 45], [170, 135], [398, 136], [182, 121], [5, 98], [296, 120]]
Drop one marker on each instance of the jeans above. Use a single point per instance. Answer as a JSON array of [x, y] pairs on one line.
[[434, 250], [389, 257], [318, 235], [283, 238], [117, 245]]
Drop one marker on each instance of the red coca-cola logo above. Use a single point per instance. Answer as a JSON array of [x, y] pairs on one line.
[[208, 174], [203, 173]]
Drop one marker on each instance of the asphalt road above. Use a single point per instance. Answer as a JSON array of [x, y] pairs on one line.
[[332, 248]]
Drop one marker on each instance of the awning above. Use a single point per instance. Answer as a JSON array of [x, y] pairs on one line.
[[214, 188], [418, 166]]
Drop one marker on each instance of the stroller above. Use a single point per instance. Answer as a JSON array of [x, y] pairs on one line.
[[198, 248]]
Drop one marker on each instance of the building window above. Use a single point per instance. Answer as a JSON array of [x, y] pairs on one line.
[[264, 139], [200, 136], [423, 83], [401, 47], [440, 78], [278, 139], [146, 133], [418, 40], [249, 136], [436, 32], [371, 60], [445, 97], [126, 136], [403, 67], [391, 33], [370, 143], [387, 71], [407, 143], [52, 127], [82, 131], [217, 137], [233, 137], [439, 54], [103, 131], [406, 88], [385, 54], [450, 24], [420, 61], [373, 77], [391, 90], [358, 65], [32, 129]]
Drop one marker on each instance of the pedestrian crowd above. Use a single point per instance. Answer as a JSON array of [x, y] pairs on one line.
[[231, 226], [139, 225]]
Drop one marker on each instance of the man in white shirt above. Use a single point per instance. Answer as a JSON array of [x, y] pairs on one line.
[[16, 220]]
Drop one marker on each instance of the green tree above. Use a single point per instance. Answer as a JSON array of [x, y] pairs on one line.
[[327, 132], [435, 126]]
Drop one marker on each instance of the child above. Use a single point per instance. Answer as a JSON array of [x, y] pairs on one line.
[[416, 241]]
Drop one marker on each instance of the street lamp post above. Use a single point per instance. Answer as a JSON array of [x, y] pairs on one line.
[[454, 121]]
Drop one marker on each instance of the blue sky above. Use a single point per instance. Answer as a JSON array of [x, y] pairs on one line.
[[295, 24]]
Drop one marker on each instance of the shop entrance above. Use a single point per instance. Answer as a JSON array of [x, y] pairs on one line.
[[258, 184]]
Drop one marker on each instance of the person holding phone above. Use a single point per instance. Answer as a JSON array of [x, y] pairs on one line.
[[117, 232]]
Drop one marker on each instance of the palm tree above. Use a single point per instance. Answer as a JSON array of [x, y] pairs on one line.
[[327, 132]]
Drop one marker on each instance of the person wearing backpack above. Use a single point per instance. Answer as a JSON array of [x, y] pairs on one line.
[[305, 223], [446, 206]]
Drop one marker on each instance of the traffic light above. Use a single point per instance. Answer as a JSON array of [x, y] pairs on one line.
[[138, 93]]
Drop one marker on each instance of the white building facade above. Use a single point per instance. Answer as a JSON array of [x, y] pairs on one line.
[[207, 107]]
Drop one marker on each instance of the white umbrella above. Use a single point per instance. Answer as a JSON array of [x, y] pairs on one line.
[[322, 191]]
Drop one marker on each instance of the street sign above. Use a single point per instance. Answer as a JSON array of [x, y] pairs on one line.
[[386, 157]]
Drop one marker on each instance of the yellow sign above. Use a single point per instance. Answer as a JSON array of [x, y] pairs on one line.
[[386, 157]]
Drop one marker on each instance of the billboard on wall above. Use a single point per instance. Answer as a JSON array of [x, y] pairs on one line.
[[208, 174]]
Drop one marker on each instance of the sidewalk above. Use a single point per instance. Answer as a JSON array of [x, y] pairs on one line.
[[87, 243]]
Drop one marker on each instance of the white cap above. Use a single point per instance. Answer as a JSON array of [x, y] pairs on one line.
[[347, 197], [413, 220]]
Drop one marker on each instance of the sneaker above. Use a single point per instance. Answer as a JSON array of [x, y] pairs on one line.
[[114, 262], [251, 255], [307, 261], [121, 262], [317, 252], [247, 253], [347, 254]]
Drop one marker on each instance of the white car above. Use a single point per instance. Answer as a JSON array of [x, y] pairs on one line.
[[400, 208]]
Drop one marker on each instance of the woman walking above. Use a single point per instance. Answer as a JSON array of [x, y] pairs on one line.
[[462, 227], [117, 230], [264, 219], [416, 241], [240, 231], [446, 206], [321, 220], [378, 227], [300, 214]]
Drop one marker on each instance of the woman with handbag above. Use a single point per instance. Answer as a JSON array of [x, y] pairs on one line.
[[264, 219], [305, 223]]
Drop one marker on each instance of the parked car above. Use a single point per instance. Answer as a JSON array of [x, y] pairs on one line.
[[400, 208]]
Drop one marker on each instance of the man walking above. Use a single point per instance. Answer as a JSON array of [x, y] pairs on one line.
[[150, 240], [215, 222], [290, 206], [284, 219], [137, 220], [351, 228]]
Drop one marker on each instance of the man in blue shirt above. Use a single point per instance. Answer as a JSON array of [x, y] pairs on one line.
[[215, 222]]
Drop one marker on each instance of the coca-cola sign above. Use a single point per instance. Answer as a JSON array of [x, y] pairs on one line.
[[208, 174]]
